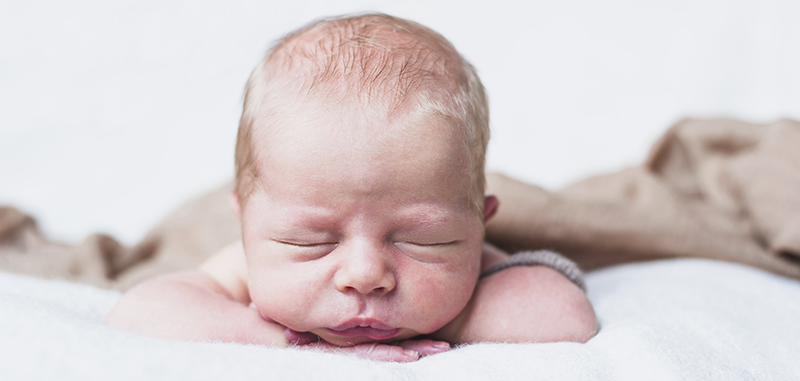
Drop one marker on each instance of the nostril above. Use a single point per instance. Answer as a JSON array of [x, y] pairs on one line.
[[367, 275]]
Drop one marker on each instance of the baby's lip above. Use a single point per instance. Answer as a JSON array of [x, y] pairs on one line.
[[371, 328]]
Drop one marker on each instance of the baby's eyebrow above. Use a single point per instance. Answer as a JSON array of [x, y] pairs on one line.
[[429, 216], [290, 229], [307, 219], [309, 223]]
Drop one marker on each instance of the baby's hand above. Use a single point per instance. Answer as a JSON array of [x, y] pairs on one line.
[[403, 351]]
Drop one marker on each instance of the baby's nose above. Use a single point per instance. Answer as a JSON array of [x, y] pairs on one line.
[[365, 271]]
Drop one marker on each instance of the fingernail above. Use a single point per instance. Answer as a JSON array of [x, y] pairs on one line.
[[411, 353], [442, 345]]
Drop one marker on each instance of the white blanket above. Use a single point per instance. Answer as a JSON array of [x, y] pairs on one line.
[[684, 319]]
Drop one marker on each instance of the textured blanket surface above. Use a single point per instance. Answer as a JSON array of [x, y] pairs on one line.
[[686, 319]]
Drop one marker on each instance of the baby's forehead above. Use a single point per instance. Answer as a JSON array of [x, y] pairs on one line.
[[359, 126], [322, 153]]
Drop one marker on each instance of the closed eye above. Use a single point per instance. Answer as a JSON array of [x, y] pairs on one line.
[[434, 244], [430, 252], [304, 244]]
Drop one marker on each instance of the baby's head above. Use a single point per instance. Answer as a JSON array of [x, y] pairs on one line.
[[360, 180]]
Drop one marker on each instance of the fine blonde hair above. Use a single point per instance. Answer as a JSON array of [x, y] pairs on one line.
[[384, 60]]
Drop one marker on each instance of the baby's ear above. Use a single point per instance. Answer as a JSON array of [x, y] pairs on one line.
[[233, 202], [490, 204]]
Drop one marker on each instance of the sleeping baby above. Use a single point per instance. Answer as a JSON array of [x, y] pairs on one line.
[[360, 189]]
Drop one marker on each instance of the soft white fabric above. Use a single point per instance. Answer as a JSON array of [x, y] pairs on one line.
[[684, 319]]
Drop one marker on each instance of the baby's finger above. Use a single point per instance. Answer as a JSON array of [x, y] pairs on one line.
[[370, 351], [426, 347], [300, 338], [382, 352]]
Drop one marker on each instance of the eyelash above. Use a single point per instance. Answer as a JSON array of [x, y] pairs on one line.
[[434, 244], [306, 245], [312, 245]]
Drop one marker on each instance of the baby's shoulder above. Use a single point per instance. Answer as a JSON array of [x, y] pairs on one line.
[[228, 267]]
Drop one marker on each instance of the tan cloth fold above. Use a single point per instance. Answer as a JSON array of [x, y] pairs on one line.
[[720, 189], [183, 240]]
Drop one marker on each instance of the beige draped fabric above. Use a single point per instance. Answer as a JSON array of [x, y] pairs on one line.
[[720, 189]]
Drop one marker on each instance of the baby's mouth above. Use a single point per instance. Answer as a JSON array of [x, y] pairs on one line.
[[370, 328]]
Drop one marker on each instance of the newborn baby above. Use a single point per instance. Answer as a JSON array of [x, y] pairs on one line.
[[360, 190]]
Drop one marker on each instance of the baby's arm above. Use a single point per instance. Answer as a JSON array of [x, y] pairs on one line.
[[201, 305], [523, 304], [212, 304]]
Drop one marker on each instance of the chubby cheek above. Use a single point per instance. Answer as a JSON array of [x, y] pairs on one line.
[[278, 290], [281, 299], [439, 298]]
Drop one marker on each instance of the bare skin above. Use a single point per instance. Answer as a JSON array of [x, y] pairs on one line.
[[210, 304], [358, 241]]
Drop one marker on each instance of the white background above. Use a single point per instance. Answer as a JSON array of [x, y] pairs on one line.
[[113, 112]]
